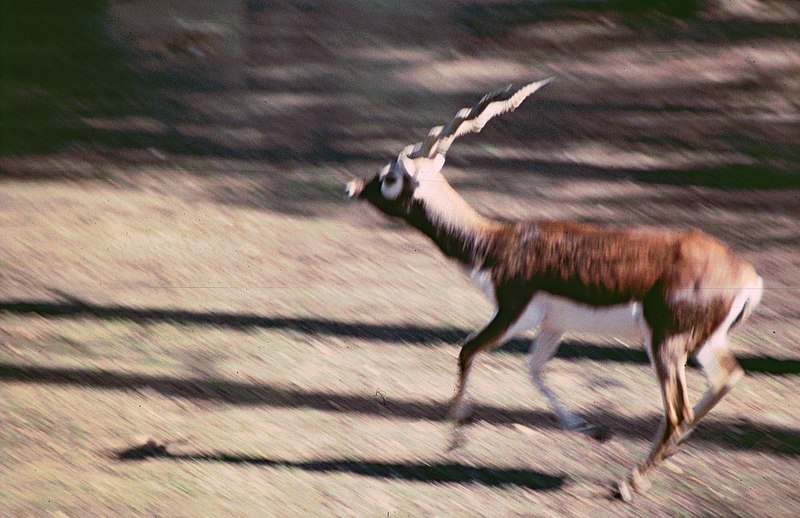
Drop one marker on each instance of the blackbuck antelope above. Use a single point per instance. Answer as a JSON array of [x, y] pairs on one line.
[[682, 292]]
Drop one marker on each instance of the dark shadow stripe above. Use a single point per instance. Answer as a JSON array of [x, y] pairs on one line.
[[395, 333], [438, 472], [735, 434]]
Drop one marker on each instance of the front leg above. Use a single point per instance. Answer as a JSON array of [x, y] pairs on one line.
[[495, 332]]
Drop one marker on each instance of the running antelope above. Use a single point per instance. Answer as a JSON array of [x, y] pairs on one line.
[[681, 292]]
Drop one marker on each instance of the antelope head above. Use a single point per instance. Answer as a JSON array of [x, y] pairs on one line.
[[395, 187]]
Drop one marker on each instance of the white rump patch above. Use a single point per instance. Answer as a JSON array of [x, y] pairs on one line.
[[707, 353]]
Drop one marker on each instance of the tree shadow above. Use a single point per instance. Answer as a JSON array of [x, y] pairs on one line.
[[723, 176], [400, 333], [305, 96], [498, 19], [428, 472], [59, 67], [738, 434]]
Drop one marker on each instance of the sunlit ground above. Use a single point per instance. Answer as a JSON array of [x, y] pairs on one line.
[[177, 265]]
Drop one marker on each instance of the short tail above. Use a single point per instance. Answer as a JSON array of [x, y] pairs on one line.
[[755, 290]]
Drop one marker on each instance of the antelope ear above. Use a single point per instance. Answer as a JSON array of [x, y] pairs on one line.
[[438, 162]]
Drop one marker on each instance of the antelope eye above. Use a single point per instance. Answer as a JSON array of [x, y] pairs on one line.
[[391, 187]]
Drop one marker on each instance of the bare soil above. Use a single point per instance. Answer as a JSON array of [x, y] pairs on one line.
[[192, 322]]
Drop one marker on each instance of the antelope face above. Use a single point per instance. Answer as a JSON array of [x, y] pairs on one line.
[[390, 190]]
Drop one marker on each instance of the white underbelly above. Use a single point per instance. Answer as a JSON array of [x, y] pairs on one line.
[[619, 320], [563, 315]]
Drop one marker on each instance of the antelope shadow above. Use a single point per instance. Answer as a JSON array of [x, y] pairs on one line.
[[394, 333], [739, 434], [436, 472]]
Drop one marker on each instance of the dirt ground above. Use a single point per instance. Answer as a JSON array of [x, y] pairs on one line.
[[192, 321]]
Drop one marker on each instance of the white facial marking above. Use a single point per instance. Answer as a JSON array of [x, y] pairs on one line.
[[391, 187], [391, 182]]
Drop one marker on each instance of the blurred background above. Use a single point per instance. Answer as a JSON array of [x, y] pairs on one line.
[[176, 262]]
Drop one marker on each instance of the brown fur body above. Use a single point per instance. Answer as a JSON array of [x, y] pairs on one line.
[[686, 281]]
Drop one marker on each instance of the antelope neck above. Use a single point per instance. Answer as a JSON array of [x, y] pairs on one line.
[[459, 231]]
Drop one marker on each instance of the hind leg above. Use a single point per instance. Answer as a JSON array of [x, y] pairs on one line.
[[722, 372], [669, 360]]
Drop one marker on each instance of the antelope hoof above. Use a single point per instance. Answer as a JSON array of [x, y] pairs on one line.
[[675, 446], [624, 491], [635, 483], [457, 439], [460, 412], [576, 423], [640, 482], [599, 433]]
